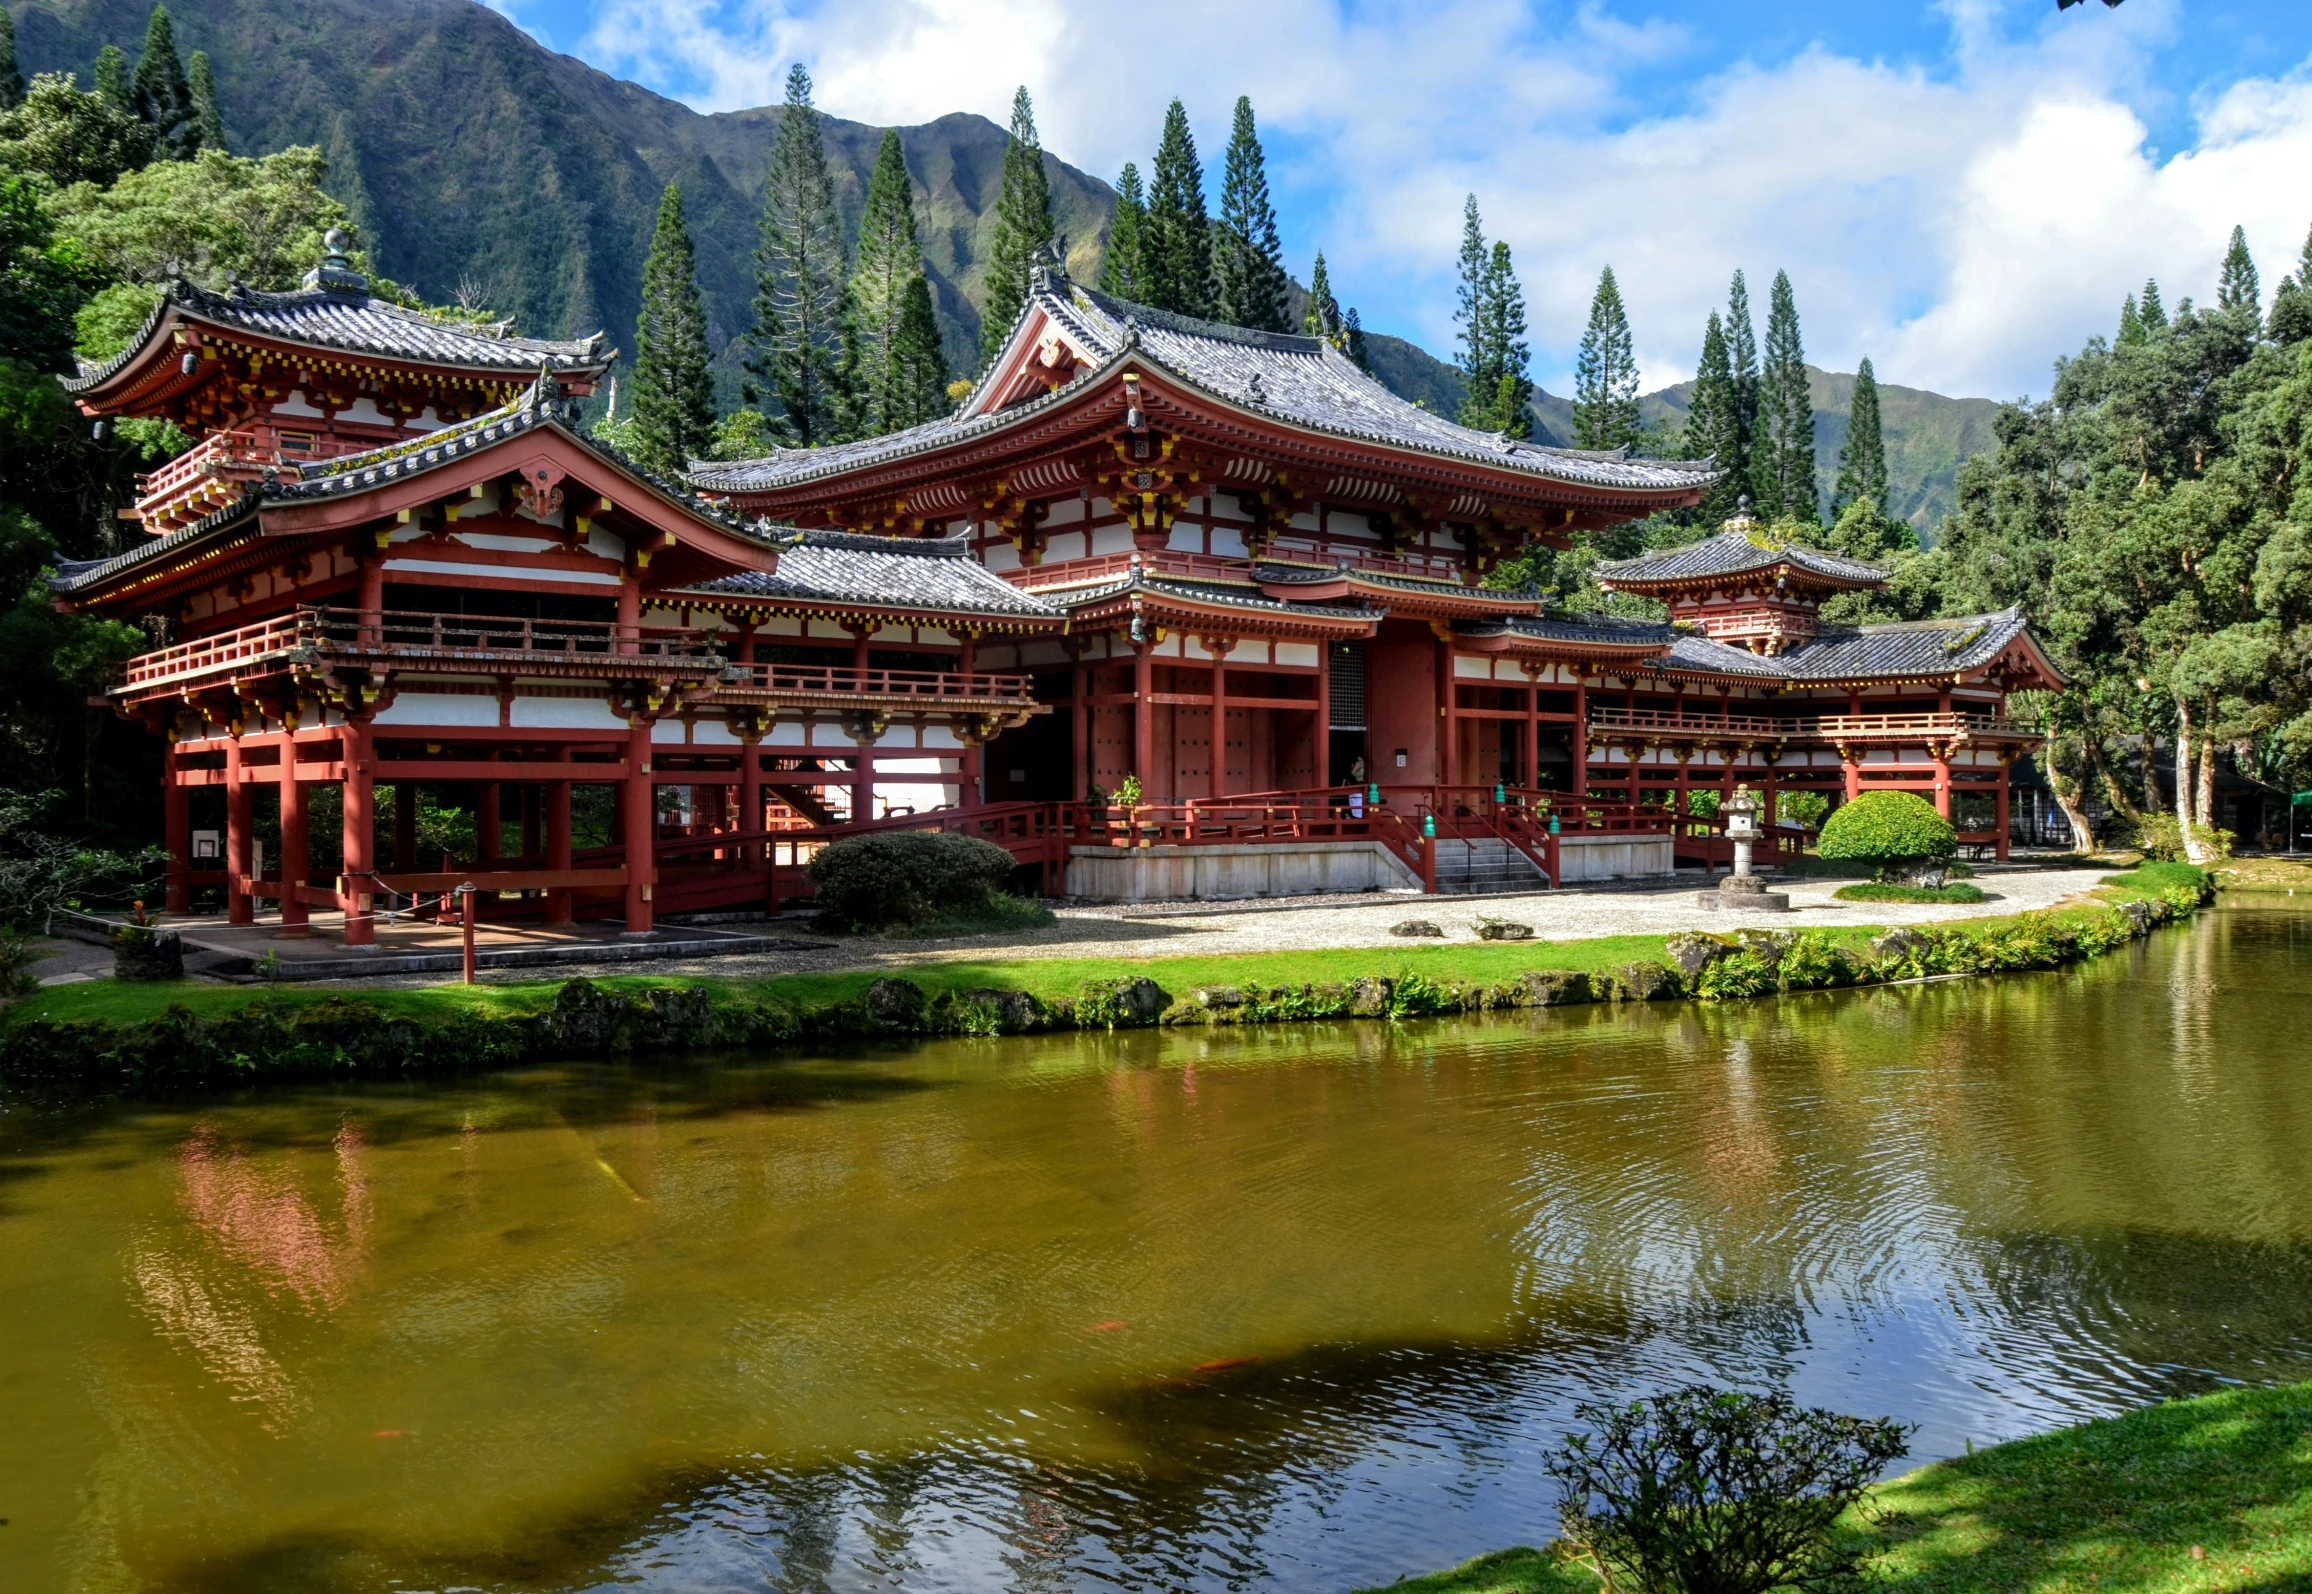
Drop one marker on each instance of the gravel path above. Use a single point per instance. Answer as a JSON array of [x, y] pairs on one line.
[[1219, 929]]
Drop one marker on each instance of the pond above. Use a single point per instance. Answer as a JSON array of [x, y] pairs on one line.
[[1295, 1307]]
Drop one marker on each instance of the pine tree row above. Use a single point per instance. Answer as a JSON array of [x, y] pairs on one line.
[[1165, 251]]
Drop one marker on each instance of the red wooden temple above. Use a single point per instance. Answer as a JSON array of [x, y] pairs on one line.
[[1225, 564]]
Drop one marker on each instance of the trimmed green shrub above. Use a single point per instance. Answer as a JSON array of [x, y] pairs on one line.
[[908, 877], [1890, 829], [1957, 891]]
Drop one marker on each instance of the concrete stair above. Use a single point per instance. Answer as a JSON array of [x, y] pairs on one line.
[[1484, 866]]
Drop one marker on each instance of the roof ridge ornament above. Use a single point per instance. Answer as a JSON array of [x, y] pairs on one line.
[[1048, 265], [335, 273]]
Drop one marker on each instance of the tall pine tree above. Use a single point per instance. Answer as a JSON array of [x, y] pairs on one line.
[[1479, 375], [1714, 425], [1490, 305], [919, 363], [1121, 270], [162, 96], [673, 392], [1023, 225], [11, 78], [1178, 239], [1742, 358], [1862, 461], [112, 85], [1605, 382], [1324, 313], [2238, 288], [799, 272], [1248, 281], [208, 124], [2153, 312], [1782, 465], [2131, 330], [887, 260], [1353, 340]]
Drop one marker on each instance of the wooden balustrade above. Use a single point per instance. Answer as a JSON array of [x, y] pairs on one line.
[[1821, 727]]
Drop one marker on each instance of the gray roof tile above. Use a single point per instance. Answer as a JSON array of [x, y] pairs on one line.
[[355, 323], [937, 575], [1735, 551], [1301, 380], [1914, 648]]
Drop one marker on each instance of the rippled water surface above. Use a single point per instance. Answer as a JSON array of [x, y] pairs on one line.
[[1292, 1308]]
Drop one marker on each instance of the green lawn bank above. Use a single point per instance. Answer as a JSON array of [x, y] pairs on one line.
[[2193, 1495], [117, 1034]]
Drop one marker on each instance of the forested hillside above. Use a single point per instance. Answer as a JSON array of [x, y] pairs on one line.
[[484, 168]]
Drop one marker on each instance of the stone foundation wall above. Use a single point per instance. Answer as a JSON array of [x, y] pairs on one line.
[[1613, 857], [1230, 872]]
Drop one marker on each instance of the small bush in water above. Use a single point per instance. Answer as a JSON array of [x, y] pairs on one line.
[[1710, 1491], [908, 877]]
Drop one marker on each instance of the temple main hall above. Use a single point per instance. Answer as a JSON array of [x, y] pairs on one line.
[[1166, 608]]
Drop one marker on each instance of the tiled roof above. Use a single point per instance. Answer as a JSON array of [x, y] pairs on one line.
[[937, 575], [355, 323], [1219, 592], [540, 406], [1595, 630], [1736, 551], [1914, 649], [74, 575], [1301, 380]]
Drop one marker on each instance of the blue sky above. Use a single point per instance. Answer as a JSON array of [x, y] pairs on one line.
[[1961, 190]]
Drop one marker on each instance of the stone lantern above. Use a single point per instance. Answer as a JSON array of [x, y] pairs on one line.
[[1743, 890]]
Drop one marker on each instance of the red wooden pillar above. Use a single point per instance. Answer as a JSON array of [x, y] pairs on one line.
[[296, 848], [630, 612], [1581, 736], [1217, 784], [639, 814], [1079, 731], [559, 904], [1533, 727], [2004, 800], [1852, 769], [369, 598], [750, 816], [1448, 762], [356, 890], [177, 821], [1942, 752], [1144, 721], [239, 907]]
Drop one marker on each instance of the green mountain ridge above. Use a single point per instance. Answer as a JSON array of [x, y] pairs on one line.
[[484, 168]]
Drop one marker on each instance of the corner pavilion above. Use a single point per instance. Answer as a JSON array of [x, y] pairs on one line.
[[1227, 563]]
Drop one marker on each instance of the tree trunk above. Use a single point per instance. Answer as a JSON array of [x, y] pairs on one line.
[[2206, 801], [2194, 848], [2067, 798], [2113, 793]]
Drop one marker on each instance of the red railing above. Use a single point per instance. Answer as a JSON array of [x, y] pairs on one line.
[[1103, 567], [221, 453], [1424, 567], [929, 684], [265, 638], [1813, 726]]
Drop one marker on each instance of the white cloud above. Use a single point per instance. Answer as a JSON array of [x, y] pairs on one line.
[[1962, 224]]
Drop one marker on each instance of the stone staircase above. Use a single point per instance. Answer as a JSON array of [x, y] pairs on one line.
[[1484, 866]]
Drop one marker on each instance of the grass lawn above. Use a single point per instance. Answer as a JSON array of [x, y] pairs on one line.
[[2190, 1497], [1045, 977]]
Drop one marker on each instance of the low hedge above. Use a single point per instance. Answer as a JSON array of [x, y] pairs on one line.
[[907, 877], [343, 1036], [1872, 891]]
